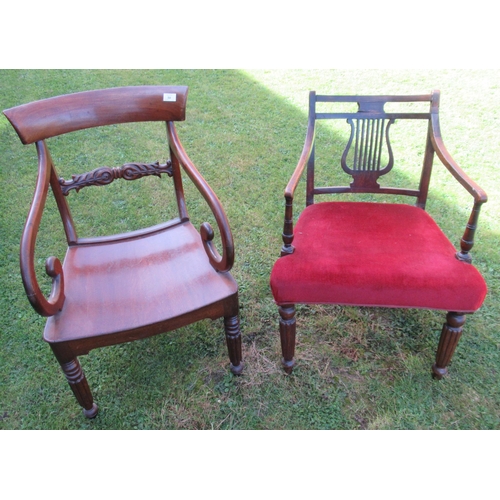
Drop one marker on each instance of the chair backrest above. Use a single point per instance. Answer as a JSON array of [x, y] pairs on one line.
[[37, 121], [368, 154], [40, 120], [67, 113]]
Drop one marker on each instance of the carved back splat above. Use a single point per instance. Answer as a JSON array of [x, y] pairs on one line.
[[106, 175], [369, 135], [368, 154]]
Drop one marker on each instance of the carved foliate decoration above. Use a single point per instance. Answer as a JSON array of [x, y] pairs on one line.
[[106, 175]]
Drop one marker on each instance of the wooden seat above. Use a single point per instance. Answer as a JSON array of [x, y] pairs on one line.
[[98, 304], [129, 286], [369, 253]]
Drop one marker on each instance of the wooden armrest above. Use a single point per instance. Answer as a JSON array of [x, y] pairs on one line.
[[473, 188], [304, 158], [479, 195], [307, 150], [44, 306], [219, 262]]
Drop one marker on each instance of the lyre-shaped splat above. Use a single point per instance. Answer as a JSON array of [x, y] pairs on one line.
[[371, 139]]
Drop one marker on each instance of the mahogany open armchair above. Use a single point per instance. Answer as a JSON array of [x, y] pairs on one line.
[[365, 253], [129, 286]]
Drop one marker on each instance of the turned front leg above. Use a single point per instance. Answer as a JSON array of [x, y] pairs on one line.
[[450, 335], [78, 383], [287, 334], [233, 340]]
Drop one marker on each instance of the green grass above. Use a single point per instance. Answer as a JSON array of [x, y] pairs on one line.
[[356, 368]]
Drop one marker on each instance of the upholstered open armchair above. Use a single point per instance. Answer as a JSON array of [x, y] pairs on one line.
[[123, 287], [370, 253]]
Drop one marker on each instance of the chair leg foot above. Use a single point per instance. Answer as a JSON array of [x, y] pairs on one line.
[[438, 373], [78, 382], [287, 365], [92, 412], [450, 335], [233, 340], [287, 334]]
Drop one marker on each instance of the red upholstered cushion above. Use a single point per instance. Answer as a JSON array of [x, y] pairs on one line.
[[374, 254]]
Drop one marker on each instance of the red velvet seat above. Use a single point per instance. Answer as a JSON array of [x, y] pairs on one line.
[[375, 254]]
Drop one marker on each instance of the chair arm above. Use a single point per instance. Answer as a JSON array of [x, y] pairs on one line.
[[476, 191], [220, 263], [287, 247], [479, 195], [42, 305], [304, 158]]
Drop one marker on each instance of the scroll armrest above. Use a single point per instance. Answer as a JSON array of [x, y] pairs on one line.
[[219, 262], [479, 195], [287, 247], [44, 306]]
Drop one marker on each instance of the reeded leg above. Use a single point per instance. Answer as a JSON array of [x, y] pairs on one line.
[[233, 340], [287, 333], [79, 385], [450, 335]]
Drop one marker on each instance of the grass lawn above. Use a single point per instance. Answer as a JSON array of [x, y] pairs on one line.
[[356, 368]]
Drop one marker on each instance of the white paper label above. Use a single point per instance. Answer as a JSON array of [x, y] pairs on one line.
[[170, 97]]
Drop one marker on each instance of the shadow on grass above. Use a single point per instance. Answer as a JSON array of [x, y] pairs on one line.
[[357, 368]]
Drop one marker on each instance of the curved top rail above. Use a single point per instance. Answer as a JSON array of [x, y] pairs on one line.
[[59, 115]]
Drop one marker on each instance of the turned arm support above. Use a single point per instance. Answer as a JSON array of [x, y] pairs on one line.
[[307, 150], [479, 195], [44, 306], [219, 262]]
